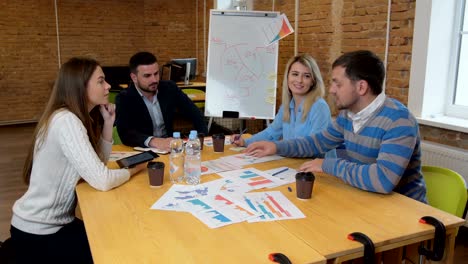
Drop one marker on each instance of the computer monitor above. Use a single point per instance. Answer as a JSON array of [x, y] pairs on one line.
[[183, 70], [117, 76]]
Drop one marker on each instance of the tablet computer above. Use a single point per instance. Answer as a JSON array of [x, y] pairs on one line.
[[131, 161]]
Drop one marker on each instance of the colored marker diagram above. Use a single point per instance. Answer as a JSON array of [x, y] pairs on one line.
[[277, 30]]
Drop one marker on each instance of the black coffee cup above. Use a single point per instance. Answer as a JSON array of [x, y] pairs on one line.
[[218, 142], [304, 184], [155, 173]]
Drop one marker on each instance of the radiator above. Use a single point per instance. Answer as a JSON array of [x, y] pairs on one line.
[[456, 159]]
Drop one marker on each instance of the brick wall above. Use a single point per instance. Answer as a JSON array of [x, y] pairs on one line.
[[169, 28], [202, 28], [112, 30], [286, 45], [399, 52], [108, 30], [28, 58]]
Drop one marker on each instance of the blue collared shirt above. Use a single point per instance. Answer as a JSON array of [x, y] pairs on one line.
[[317, 119], [154, 109]]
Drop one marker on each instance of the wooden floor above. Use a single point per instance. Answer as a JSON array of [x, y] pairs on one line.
[[14, 142]]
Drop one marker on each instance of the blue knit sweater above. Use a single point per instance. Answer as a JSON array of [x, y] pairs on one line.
[[383, 156]]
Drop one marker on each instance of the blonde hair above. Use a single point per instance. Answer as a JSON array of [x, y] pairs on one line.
[[317, 90], [69, 92]]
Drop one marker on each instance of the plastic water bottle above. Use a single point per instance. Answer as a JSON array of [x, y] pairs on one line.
[[196, 136], [176, 159], [192, 160]]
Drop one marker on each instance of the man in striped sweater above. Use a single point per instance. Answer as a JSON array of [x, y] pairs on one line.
[[380, 136]]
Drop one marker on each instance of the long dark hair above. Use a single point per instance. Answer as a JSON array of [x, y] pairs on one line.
[[69, 92]]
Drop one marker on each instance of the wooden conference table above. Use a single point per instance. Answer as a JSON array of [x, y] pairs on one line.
[[122, 229]]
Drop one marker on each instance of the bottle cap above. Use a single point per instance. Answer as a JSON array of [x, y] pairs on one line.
[[176, 135], [192, 136]]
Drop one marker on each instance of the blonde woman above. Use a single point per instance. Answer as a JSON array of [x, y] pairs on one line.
[[304, 111]]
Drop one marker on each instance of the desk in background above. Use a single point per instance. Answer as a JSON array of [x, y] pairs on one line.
[[192, 85], [122, 229], [196, 97], [195, 91]]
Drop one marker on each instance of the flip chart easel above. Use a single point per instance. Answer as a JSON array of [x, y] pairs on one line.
[[242, 65]]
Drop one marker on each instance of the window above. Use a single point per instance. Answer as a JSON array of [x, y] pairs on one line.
[[461, 84], [438, 94]]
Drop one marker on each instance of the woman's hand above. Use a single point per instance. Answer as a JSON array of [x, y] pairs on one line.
[[237, 140], [261, 149], [108, 113], [137, 168]]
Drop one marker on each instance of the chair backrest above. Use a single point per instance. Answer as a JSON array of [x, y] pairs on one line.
[[112, 95], [189, 91], [446, 189], [116, 137]]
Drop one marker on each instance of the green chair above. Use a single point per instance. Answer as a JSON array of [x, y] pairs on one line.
[[190, 91], [116, 137], [446, 189], [112, 95]]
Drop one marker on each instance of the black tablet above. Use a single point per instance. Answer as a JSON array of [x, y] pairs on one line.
[[131, 161]]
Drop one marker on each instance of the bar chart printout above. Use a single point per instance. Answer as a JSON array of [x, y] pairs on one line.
[[272, 205], [254, 178]]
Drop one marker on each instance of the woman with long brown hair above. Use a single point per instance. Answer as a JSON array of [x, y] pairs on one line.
[[72, 141]]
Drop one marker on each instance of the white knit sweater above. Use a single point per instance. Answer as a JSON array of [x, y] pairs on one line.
[[65, 156]]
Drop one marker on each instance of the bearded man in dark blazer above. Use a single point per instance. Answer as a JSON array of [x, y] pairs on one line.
[[146, 109]]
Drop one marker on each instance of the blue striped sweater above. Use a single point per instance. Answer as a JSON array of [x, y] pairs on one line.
[[383, 156]]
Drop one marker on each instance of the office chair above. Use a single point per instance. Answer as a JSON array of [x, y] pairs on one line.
[[112, 95], [115, 136], [189, 91], [446, 189]]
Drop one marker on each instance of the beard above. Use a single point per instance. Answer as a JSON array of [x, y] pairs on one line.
[[147, 87], [341, 107], [347, 104]]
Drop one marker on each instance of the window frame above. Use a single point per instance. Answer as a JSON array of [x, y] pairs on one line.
[[435, 49], [451, 108]]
